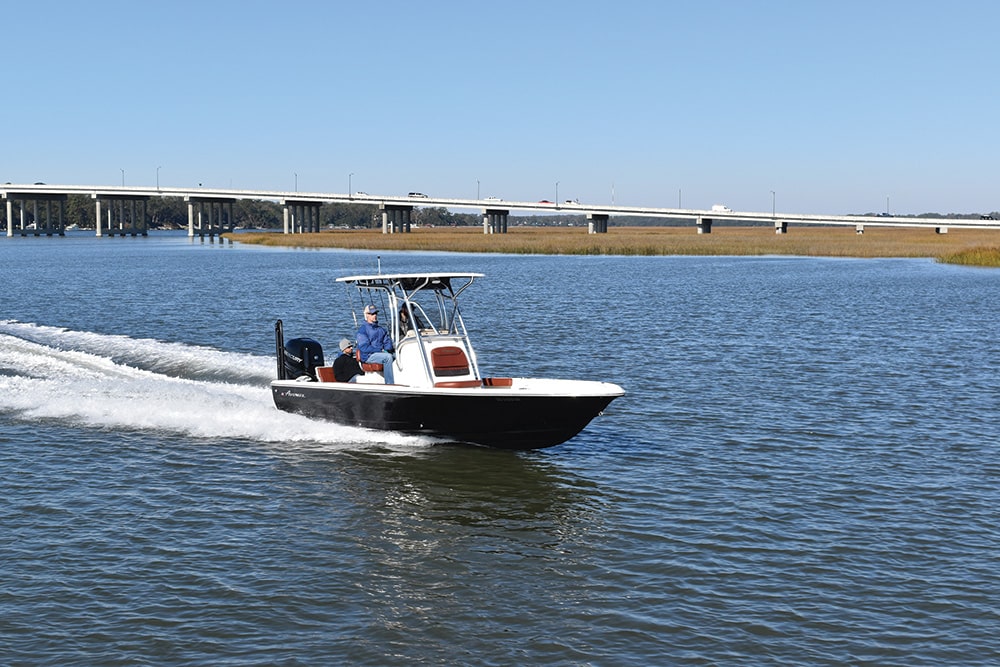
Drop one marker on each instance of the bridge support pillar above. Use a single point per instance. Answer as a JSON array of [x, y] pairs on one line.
[[396, 219], [299, 216], [305, 218], [704, 225], [495, 221], [51, 226], [126, 212], [597, 223], [61, 219], [210, 216], [44, 220], [314, 218], [780, 226]]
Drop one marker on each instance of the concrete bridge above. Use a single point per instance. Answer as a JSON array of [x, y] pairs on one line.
[[122, 210]]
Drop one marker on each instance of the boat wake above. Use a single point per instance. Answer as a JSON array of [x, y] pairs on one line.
[[111, 382]]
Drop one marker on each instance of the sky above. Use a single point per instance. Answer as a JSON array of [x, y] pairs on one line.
[[808, 106]]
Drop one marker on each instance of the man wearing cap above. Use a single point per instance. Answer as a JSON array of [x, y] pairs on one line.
[[374, 343], [345, 366]]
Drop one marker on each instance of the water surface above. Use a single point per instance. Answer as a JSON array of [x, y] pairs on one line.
[[803, 471]]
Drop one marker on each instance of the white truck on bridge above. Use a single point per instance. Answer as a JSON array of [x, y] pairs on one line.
[[719, 208]]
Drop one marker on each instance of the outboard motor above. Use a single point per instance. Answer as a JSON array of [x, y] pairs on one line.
[[301, 357]]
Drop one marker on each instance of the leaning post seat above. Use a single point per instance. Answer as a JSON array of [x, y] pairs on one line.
[[365, 366]]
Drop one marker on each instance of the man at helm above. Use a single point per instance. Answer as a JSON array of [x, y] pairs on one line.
[[374, 343]]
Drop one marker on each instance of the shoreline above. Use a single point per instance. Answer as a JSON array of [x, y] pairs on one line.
[[972, 247]]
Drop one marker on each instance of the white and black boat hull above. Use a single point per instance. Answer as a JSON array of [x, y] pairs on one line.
[[530, 414]]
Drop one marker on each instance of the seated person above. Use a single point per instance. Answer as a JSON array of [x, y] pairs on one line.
[[345, 366], [404, 321], [375, 344]]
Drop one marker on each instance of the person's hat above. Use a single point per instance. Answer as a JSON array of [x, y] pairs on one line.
[[369, 309], [345, 344]]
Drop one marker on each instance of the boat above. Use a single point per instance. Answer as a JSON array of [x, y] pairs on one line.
[[437, 387]]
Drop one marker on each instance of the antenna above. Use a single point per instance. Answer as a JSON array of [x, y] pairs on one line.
[[378, 258]]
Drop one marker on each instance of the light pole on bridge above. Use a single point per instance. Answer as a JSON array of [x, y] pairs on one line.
[[350, 191], [158, 177], [123, 178], [772, 203]]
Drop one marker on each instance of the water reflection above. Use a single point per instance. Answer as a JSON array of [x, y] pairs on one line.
[[470, 486], [439, 499]]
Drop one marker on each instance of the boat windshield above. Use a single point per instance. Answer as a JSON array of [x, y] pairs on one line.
[[419, 304], [428, 312]]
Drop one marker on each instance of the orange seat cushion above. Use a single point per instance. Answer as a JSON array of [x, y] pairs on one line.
[[449, 361]]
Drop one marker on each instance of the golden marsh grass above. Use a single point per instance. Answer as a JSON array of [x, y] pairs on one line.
[[978, 256], [805, 241]]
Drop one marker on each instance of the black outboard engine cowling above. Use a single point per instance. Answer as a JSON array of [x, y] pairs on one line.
[[302, 356]]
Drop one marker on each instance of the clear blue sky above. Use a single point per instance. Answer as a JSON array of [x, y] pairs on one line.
[[834, 106]]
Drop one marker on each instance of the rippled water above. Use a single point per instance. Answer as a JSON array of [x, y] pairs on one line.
[[803, 471]]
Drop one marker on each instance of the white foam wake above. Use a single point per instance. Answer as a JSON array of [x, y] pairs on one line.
[[80, 378], [175, 359]]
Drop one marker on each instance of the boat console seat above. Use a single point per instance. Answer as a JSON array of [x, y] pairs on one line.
[[449, 361]]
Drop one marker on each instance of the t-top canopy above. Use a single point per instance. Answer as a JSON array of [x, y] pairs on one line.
[[409, 281]]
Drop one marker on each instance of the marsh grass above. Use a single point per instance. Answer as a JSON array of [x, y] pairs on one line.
[[804, 241], [978, 256]]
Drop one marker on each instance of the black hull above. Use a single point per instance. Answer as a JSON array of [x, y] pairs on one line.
[[490, 417]]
